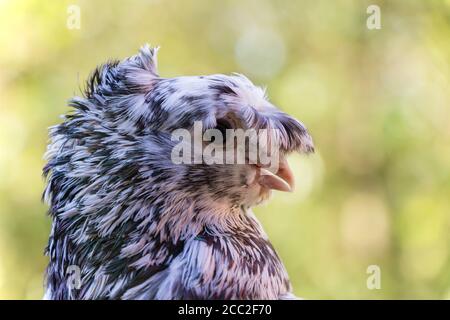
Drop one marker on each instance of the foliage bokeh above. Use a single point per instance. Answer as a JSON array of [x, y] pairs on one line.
[[377, 103]]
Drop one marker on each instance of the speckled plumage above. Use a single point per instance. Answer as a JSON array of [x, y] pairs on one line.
[[141, 227]]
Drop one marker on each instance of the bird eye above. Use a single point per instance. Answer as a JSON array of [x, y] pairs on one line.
[[222, 126]]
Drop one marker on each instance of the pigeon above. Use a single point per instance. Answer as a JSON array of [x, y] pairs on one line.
[[129, 222]]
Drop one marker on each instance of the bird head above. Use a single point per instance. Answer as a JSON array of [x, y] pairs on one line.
[[232, 142], [123, 143]]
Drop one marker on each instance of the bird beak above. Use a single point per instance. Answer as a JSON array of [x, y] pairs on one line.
[[283, 180]]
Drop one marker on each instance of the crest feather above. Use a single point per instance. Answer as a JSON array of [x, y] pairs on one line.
[[148, 58]]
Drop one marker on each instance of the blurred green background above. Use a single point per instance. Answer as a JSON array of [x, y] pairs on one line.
[[377, 103]]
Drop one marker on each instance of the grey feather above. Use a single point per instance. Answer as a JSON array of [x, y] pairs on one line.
[[139, 226]]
